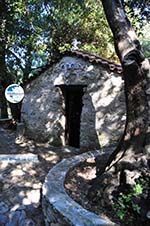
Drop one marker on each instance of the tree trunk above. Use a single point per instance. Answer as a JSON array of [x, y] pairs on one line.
[[135, 69], [131, 153], [3, 70], [16, 111], [4, 113]]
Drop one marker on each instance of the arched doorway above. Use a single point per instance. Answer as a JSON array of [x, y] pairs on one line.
[[73, 107]]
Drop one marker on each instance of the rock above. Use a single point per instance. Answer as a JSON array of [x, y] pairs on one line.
[[29, 222], [3, 220], [3, 208], [17, 218], [20, 133], [32, 211], [131, 176], [34, 196]]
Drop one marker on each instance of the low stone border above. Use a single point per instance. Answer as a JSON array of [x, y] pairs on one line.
[[19, 158], [5, 120], [59, 209]]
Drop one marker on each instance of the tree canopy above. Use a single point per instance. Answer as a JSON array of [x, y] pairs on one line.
[[37, 31]]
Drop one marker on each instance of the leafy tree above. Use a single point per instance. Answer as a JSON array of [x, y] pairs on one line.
[[38, 31], [22, 46], [26, 48], [3, 42], [72, 19]]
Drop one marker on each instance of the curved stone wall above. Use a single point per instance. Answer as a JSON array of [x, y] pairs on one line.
[[59, 209]]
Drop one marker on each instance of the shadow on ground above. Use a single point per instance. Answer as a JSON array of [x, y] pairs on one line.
[[21, 183]]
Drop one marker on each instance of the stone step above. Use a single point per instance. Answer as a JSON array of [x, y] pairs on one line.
[[19, 158]]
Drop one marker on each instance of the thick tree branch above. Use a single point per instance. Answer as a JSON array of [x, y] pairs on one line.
[[17, 58], [124, 36]]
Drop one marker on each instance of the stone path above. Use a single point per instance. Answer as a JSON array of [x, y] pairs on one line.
[[21, 182]]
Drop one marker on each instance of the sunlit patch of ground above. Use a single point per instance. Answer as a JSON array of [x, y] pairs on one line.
[[21, 183]]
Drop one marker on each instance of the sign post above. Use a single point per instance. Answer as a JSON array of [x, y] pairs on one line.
[[14, 93]]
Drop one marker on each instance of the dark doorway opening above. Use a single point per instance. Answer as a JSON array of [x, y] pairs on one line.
[[73, 107]]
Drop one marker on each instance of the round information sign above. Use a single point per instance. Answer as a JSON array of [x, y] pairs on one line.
[[14, 93]]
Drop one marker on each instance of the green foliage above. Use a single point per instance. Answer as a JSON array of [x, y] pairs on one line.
[[23, 31], [137, 189], [139, 11], [126, 206], [145, 40], [37, 31], [85, 22]]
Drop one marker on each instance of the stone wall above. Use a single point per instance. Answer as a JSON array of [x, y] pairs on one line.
[[58, 208], [103, 111]]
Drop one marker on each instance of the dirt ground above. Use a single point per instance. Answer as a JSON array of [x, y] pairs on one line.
[[77, 186], [21, 183]]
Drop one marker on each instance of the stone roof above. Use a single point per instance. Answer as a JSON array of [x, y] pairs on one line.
[[93, 58]]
